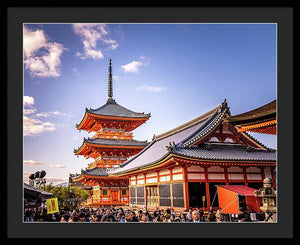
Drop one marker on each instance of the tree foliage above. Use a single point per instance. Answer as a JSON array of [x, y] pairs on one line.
[[69, 197]]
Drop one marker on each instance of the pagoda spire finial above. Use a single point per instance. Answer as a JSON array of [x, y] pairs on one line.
[[110, 85]]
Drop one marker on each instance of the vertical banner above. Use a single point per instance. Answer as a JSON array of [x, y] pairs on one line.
[[52, 205]]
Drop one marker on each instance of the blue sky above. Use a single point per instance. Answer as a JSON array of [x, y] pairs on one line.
[[174, 71]]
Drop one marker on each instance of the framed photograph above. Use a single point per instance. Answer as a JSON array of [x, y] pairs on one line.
[[152, 122]]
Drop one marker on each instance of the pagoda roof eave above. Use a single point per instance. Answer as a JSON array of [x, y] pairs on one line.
[[85, 120], [111, 143], [113, 109], [124, 118], [78, 178]]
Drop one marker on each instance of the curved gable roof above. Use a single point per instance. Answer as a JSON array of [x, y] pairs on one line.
[[158, 149]]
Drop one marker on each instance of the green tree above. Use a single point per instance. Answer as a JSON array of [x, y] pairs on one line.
[[69, 197]]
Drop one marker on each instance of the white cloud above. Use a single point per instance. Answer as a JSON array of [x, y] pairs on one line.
[[112, 43], [90, 34], [29, 111], [154, 89], [56, 166], [41, 57], [134, 65], [28, 103], [75, 70], [28, 100], [55, 180], [33, 127], [33, 41], [51, 113], [31, 162], [42, 114]]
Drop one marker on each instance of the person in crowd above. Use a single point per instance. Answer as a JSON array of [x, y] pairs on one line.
[[81, 216], [120, 217], [156, 212], [172, 218], [156, 218], [182, 217], [128, 215], [165, 219], [140, 214], [28, 215], [108, 217], [211, 217], [66, 218], [134, 218], [202, 218], [196, 216], [177, 219], [144, 218], [219, 216], [189, 217], [244, 215], [167, 214]]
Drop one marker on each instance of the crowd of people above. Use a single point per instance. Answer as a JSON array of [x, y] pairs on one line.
[[125, 215]]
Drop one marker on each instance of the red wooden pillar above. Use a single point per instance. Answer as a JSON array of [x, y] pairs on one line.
[[158, 202], [120, 196], [207, 188], [245, 176], [273, 177], [111, 199], [186, 188], [262, 173], [226, 175], [145, 192], [171, 190]]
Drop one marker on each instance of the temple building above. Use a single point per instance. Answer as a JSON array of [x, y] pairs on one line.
[[260, 120], [182, 167], [111, 145]]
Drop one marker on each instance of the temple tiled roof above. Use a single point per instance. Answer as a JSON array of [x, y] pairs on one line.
[[116, 142], [161, 144], [226, 152], [113, 142], [113, 109], [91, 172], [179, 141], [96, 172], [205, 129]]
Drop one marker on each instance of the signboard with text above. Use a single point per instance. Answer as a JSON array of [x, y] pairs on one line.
[[52, 205]]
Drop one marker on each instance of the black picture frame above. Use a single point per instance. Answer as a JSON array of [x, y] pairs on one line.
[[58, 12]]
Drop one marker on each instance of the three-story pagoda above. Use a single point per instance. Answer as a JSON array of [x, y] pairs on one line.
[[111, 145]]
